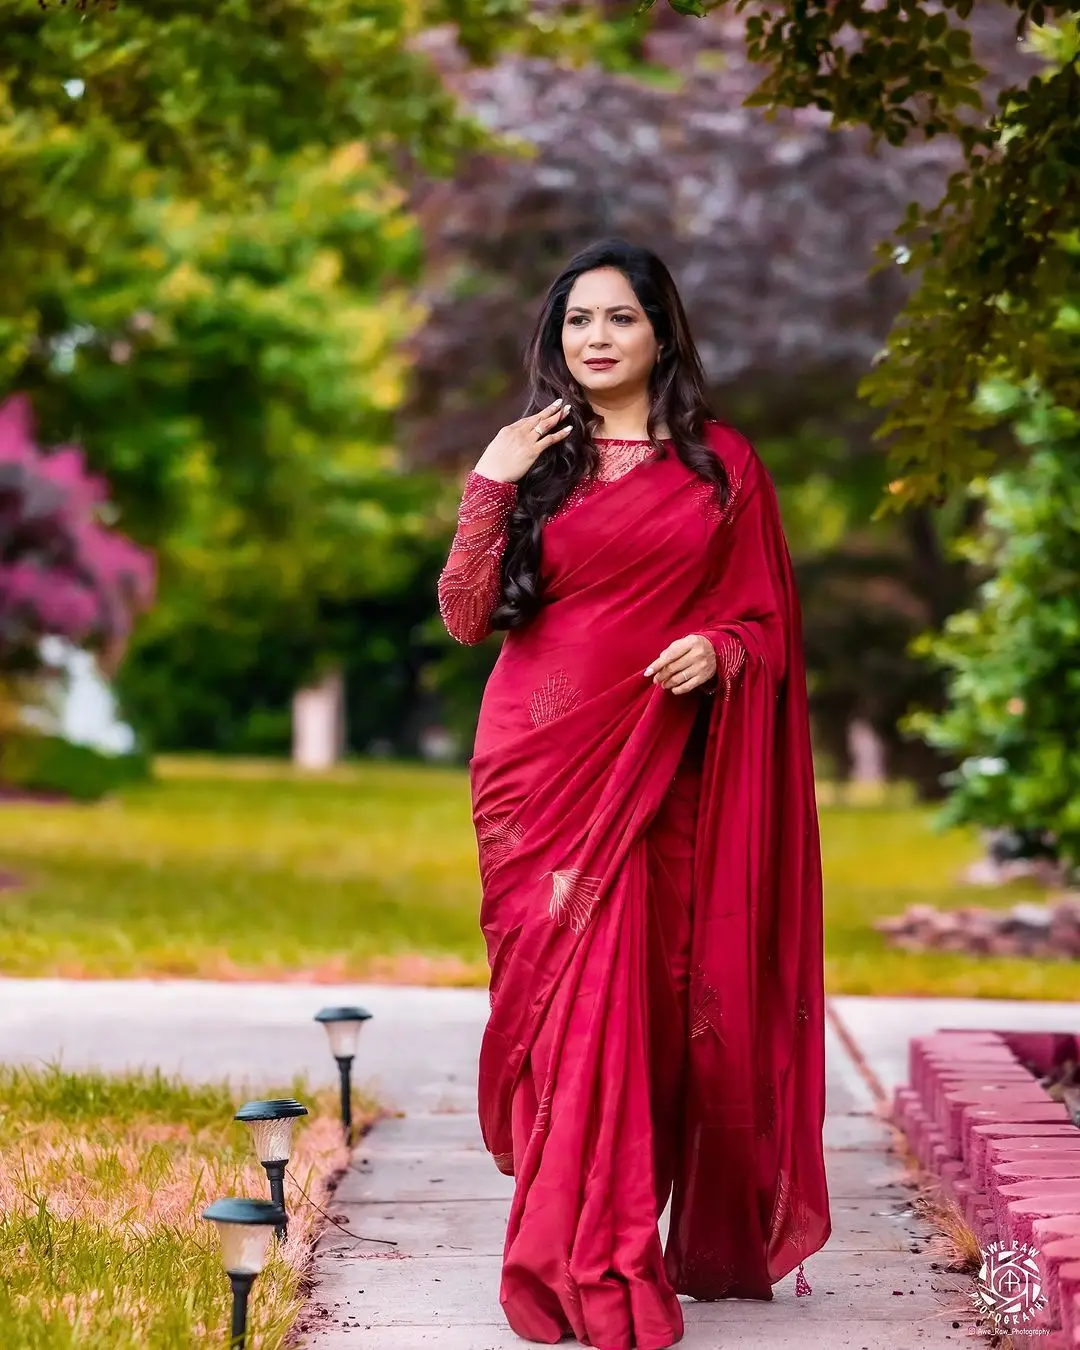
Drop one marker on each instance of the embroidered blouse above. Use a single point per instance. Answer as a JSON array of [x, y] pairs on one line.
[[471, 580]]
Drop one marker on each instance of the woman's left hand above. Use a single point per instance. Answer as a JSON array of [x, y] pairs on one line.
[[685, 664]]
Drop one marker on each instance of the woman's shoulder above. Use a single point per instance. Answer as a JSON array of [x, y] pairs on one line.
[[733, 448]]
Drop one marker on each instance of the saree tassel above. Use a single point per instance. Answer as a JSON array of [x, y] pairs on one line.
[[802, 1284]]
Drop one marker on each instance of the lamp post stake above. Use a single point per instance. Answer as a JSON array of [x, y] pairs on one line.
[[241, 1282], [344, 1063], [275, 1172]]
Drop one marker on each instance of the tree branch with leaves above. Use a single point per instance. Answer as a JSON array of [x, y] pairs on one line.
[[997, 255]]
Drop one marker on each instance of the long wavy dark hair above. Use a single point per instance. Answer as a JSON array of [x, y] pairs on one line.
[[676, 396]]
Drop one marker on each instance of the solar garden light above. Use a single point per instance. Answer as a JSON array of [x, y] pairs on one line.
[[244, 1227], [343, 1027], [271, 1124]]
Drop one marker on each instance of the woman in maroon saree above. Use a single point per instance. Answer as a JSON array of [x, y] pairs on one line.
[[643, 797]]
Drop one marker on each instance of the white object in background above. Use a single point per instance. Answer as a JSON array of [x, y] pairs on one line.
[[438, 744], [318, 723], [81, 706], [867, 751]]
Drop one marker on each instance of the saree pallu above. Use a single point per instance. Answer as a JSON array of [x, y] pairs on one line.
[[652, 912]]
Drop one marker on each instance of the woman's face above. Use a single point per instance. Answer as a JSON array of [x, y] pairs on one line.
[[608, 342]]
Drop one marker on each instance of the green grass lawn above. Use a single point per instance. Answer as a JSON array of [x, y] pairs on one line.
[[245, 870], [102, 1187]]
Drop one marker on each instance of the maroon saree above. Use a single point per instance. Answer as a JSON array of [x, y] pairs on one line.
[[652, 911]]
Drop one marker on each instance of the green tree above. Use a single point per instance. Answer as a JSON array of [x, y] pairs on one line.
[[996, 255], [1012, 678], [869, 587], [209, 271]]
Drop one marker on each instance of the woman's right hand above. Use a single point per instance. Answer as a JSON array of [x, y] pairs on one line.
[[517, 447]]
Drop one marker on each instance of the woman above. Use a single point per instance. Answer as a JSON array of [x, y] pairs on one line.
[[642, 792]]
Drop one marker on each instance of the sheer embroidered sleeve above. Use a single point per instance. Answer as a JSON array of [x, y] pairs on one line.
[[469, 583], [730, 659]]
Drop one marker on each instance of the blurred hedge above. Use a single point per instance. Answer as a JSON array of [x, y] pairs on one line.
[[35, 763]]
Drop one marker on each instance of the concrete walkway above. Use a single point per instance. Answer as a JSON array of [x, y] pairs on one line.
[[423, 1180], [254, 1034]]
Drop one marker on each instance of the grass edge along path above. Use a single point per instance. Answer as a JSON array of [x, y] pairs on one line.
[[251, 870], [103, 1180]]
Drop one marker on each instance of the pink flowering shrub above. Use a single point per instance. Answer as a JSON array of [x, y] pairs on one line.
[[63, 572]]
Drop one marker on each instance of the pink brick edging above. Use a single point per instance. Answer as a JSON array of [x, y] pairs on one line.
[[1002, 1151]]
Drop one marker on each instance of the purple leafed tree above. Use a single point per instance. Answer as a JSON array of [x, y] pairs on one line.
[[63, 571], [769, 227]]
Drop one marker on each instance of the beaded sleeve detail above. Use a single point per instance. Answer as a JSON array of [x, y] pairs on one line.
[[470, 581], [730, 659]]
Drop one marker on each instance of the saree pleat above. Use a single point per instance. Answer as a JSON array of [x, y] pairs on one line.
[[582, 1236], [651, 907]]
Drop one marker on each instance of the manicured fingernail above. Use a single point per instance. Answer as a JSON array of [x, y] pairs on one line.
[[648, 670]]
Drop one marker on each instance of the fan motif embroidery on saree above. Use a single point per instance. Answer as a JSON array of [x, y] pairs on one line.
[[554, 699], [790, 1213], [572, 898], [791, 1216], [497, 840], [704, 1007]]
